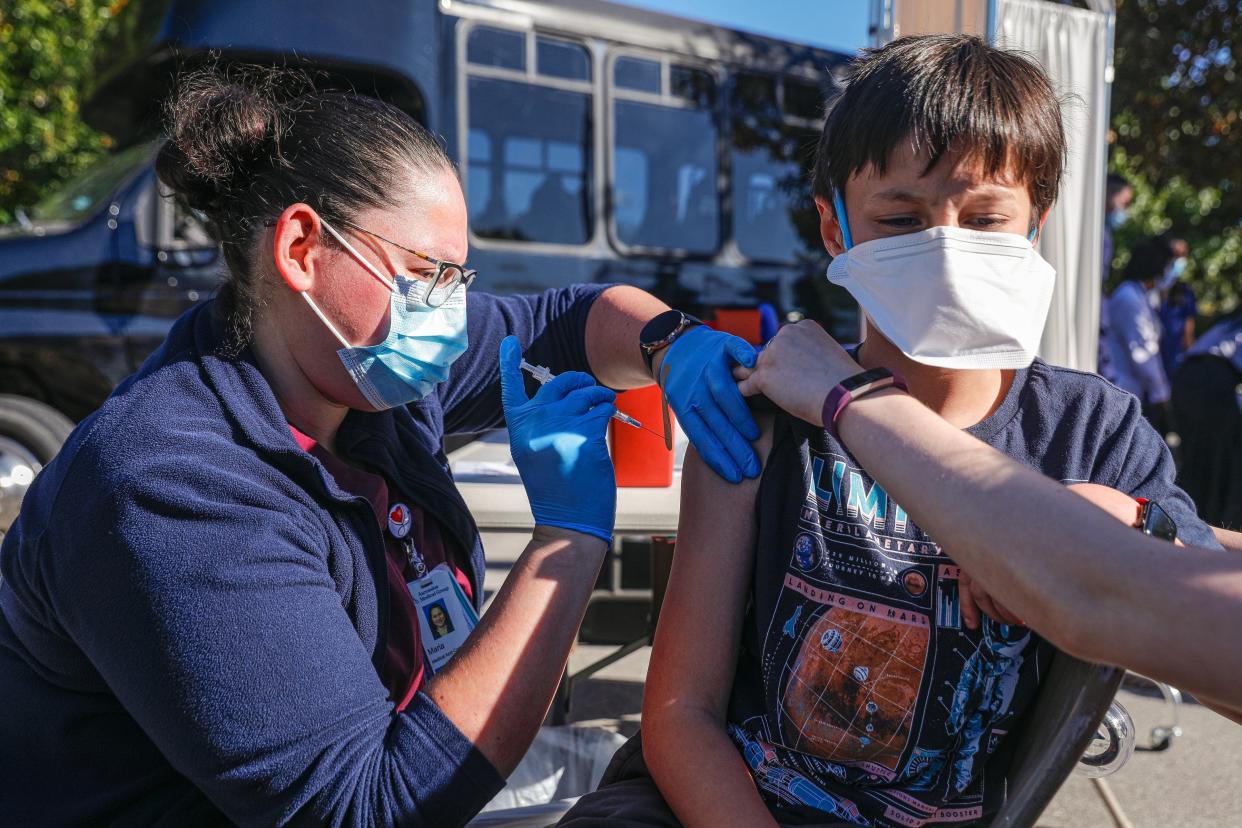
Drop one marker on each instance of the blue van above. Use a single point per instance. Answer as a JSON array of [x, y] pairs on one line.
[[597, 143]]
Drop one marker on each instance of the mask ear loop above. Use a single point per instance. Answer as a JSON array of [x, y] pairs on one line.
[[1039, 228], [324, 319], [388, 281], [843, 221], [361, 260]]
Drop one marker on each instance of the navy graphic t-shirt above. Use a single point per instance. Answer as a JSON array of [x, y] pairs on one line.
[[859, 692]]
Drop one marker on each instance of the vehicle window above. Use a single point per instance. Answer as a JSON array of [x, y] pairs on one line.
[[664, 191], [803, 99], [692, 85], [774, 217], [637, 74], [81, 196], [502, 48], [528, 155], [189, 228], [561, 59]]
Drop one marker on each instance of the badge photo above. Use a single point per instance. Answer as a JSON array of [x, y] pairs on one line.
[[445, 615]]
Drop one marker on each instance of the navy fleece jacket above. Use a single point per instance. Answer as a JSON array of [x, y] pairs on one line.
[[192, 611]]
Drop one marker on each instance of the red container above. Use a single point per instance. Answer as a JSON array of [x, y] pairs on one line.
[[742, 322], [639, 457]]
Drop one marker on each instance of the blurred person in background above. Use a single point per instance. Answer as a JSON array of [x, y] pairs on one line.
[[1178, 309], [1132, 341], [1207, 409], [1118, 195]]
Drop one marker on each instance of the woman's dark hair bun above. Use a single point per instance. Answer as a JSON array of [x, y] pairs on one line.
[[221, 125]]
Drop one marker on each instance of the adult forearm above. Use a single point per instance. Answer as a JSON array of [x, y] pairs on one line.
[[1230, 540], [613, 327], [699, 770], [498, 688], [1093, 586]]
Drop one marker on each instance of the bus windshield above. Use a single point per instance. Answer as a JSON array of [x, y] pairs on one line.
[[84, 194]]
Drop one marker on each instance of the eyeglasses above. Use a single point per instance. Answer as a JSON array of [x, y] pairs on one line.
[[443, 283], [440, 285]]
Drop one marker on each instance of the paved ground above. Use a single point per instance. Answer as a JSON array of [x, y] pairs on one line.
[[1197, 782]]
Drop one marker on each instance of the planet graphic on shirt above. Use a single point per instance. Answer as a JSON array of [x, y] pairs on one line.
[[914, 581], [806, 552], [852, 667]]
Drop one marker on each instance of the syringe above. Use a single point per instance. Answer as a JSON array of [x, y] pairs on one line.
[[542, 375]]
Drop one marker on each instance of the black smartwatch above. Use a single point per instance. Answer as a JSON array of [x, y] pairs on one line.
[[662, 331], [1155, 521]]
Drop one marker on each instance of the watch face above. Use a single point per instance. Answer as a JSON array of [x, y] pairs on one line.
[[661, 327], [1157, 522]]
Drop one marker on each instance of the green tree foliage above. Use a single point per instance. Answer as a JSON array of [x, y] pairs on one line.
[[1177, 132], [45, 59]]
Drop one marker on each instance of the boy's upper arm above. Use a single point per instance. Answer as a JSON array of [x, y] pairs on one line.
[[695, 653], [1142, 466]]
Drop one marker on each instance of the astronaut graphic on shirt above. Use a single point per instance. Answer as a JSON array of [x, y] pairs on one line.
[[984, 693]]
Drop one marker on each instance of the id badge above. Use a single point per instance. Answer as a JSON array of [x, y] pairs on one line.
[[445, 616]]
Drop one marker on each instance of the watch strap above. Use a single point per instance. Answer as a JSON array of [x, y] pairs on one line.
[[853, 388], [668, 421]]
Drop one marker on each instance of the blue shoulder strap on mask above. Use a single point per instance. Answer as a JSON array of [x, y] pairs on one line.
[[1031, 235], [843, 220]]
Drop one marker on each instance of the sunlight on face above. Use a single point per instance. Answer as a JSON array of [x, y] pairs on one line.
[[954, 193], [429, 217]]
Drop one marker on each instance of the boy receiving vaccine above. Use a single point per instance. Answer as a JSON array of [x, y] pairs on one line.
[[814, 663]]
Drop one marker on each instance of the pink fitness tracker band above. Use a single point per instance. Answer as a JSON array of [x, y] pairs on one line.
[[859, 385]]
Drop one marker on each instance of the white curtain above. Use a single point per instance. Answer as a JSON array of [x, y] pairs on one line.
[[1074, 46]]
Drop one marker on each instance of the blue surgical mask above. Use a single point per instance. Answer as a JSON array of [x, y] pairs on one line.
[[1172, 273], [1176, 268], [1116, 218], [422, 342]]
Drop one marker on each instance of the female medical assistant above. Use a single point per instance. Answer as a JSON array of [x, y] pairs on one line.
[[245, 587]]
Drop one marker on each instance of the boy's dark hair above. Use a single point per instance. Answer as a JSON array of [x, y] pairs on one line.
[[941, 93], [245, 142]]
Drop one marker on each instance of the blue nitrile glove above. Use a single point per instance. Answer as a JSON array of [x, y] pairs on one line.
[[559, 445], [702, 392]]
